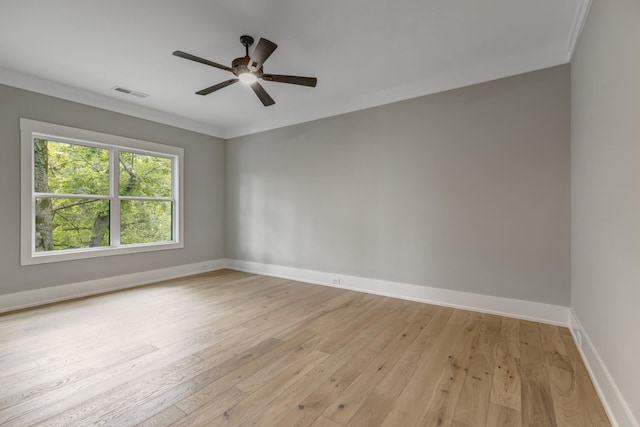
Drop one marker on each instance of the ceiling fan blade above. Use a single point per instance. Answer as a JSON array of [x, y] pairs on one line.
[[190, 57], [294, 80], [262, 94], [214, 88], [263, 50]]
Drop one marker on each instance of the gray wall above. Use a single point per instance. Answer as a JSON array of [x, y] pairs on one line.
[[204, 192], [466, 190], [605, 189]]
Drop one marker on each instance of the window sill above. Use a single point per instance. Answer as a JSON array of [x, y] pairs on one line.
[[29, 258]]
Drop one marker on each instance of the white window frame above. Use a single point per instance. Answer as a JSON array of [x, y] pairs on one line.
[[32, 129]]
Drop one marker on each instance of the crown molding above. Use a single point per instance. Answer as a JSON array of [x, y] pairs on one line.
[[576, 28], [58, 90], [446, 81]]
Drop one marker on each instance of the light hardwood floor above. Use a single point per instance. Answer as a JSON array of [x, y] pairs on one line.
[[236, 349]]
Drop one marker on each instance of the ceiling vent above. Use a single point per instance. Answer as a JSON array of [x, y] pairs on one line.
[[130, 92]]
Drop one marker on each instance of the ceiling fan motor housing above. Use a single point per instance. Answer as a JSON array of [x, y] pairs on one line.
[[240, 65]]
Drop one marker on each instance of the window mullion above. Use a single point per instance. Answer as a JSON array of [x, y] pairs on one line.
[[114, 172], [70, 196], [32, 191], [175, 212], [147, 199]]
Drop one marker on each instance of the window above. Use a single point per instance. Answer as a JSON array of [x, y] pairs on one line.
[[87, 194]]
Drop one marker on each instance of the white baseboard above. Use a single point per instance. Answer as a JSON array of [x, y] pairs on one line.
[[19, 300], [614, 403], [538, 312]]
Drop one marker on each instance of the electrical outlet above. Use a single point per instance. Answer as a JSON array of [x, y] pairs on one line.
[[335, 280]]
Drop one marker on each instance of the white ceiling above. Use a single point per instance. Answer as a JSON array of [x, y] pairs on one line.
[[363, 52]]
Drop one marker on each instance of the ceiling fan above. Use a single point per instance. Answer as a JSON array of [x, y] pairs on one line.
[[248, 70]]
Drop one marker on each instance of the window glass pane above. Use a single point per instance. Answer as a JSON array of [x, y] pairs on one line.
[[71, 223], [145, 221], [144, 176], [63, 168]]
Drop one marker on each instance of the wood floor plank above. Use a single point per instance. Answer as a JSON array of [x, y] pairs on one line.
[[562, 380], [164, 418], [347, 404], [101, 321], [239, 414], [445, 397], [232, 348], [309, 382], [212, 408], [311, 406], [586, 392], [296, 347], [510, 336], [120, 401], [537, 403], [408, 409], [506, 389], [35, 391], [503, 416], [182, 354], [376, 316], [325, 422], [551, 339], [473, 403]]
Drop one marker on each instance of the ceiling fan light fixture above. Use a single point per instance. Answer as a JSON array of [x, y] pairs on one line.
[[247, 78]]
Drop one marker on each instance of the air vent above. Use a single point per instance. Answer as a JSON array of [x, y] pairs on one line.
[[130, 92]]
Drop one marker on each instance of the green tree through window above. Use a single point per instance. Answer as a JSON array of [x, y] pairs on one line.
[[149, 178], [74, 198]]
